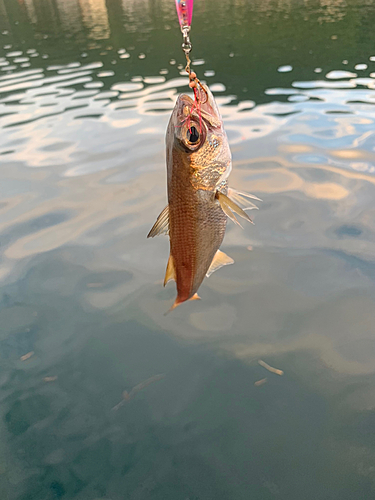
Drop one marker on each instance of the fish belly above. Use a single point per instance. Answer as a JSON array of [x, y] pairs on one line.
[[197, 227]]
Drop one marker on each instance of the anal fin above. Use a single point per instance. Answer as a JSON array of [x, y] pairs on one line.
[[170, 273], [220, 259]]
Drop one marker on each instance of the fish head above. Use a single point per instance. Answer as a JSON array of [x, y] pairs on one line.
[[196, 131]]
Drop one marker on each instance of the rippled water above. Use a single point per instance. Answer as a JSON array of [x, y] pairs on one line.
[[86, 90]]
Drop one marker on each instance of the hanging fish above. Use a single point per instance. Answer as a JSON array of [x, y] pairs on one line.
[[199, 201]]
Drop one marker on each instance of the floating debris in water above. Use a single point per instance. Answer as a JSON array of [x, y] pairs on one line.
[[270, 368], [260, 382], [27, 356], [50, 379], [126, 396]]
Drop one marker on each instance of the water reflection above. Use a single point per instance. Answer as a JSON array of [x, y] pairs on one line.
[[82, 120], [95, 18], [72, 15], [332, 11]]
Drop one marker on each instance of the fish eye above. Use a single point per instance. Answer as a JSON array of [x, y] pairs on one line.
[[192, 135]]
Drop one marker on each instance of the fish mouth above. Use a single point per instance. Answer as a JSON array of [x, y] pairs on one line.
[[184, 107], [203, 107]]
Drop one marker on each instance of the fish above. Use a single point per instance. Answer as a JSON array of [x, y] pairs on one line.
[[199, 162]]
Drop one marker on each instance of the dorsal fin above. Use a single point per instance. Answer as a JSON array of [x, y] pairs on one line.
[[170, 273], [220, 259], [161, 225]]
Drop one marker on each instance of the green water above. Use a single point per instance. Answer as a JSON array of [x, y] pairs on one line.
[[86, 90]]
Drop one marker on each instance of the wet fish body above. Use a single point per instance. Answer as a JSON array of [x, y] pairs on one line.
[[199, 201]]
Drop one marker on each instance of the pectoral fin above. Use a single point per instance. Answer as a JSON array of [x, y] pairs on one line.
[[230, 206], [220, 259], [170, 273], [227, 210], [243, 199], [161, 225]]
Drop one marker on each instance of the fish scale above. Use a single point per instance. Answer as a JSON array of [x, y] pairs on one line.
[[182, 230]]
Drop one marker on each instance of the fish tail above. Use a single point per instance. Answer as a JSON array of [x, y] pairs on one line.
[[178, 301]]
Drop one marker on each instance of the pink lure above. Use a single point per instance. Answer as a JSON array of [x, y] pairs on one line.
[[184, 12]]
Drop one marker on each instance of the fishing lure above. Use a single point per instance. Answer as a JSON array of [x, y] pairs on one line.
[[185, 12]]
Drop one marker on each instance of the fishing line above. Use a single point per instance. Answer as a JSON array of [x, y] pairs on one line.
[[185, 13]]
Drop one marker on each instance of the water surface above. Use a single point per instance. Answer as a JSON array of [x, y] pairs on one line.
[[86, 90]]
